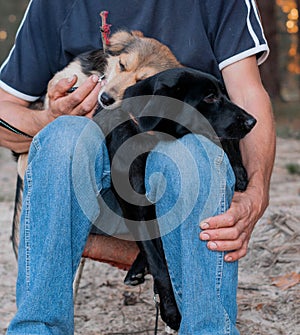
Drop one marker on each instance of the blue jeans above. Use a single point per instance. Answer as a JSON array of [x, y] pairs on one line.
[[189, 179]]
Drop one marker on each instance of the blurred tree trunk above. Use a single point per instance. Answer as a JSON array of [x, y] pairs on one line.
[[298, 7], [270, 69], [298, 46]]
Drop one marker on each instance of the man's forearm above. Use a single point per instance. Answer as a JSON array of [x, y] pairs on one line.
[[258, 147], [23, 119], [244, 86]]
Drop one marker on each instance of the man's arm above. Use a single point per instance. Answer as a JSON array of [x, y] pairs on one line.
[[231, 231], [12, 111], [15, 111]]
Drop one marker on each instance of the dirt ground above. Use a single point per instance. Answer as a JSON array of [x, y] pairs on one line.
[[269, 276]]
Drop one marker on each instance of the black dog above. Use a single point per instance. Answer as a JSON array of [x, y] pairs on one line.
[[155, 119]]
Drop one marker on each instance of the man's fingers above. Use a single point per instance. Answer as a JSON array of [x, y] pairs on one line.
[[58, 89], [84, 95], [231, 230], [237, 248], [238, 211], [220, 221], [227, 245], [237, 254], [88, 102], [220, 234], [80, 102]]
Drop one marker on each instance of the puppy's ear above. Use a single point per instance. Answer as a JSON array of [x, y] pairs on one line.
[[121, 40], [137, 33]]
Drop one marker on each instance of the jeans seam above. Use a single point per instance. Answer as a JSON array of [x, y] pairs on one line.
[[220, 262], [36, 143], [27, 235], [27, 227]]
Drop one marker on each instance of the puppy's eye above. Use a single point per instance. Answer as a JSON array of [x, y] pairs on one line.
[[122, 66], [210, 98]]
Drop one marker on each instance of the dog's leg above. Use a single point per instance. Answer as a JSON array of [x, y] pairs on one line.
[[231, 147], [152, 249], [141, 222], [162, 283], [138, 270]]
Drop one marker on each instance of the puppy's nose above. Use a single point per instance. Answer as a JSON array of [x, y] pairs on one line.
[[106, 99], [249, 123]]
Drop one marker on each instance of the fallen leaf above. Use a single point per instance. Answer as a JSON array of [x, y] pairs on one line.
[[286, 281], [259, 307]]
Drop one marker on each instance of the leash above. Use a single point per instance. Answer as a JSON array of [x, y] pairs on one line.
[[15, 130]]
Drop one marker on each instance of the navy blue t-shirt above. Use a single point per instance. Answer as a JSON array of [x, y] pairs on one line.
[[204, 34]]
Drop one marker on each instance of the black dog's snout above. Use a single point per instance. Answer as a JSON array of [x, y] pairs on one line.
[[106, 99], [249, 123]]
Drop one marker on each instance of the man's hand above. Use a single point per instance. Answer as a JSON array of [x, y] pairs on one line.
[[81, 102], [232, 230], [16, 111]]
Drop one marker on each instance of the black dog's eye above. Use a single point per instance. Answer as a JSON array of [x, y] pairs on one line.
[[122, 66], [210, 98]]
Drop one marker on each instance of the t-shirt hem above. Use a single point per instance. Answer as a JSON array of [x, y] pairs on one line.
[[264, 49], [16, 93]]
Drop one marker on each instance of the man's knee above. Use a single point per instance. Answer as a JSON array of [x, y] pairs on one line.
[[186, 164], [65, 133], [63, 129]]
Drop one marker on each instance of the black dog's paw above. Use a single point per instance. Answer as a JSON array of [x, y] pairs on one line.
[[170, 314], [133, 279], [137, 272], [169, 311]]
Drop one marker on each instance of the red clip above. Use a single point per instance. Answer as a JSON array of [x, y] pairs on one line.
[[105, 29]]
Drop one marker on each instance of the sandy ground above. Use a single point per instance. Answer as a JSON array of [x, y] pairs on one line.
[[269, 290]]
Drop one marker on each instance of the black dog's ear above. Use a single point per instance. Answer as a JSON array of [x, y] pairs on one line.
[[172, 83], [164, 82], [151, 103], [147, 110], [138, 102], [143, 87], [157, 110], [148, 123]]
